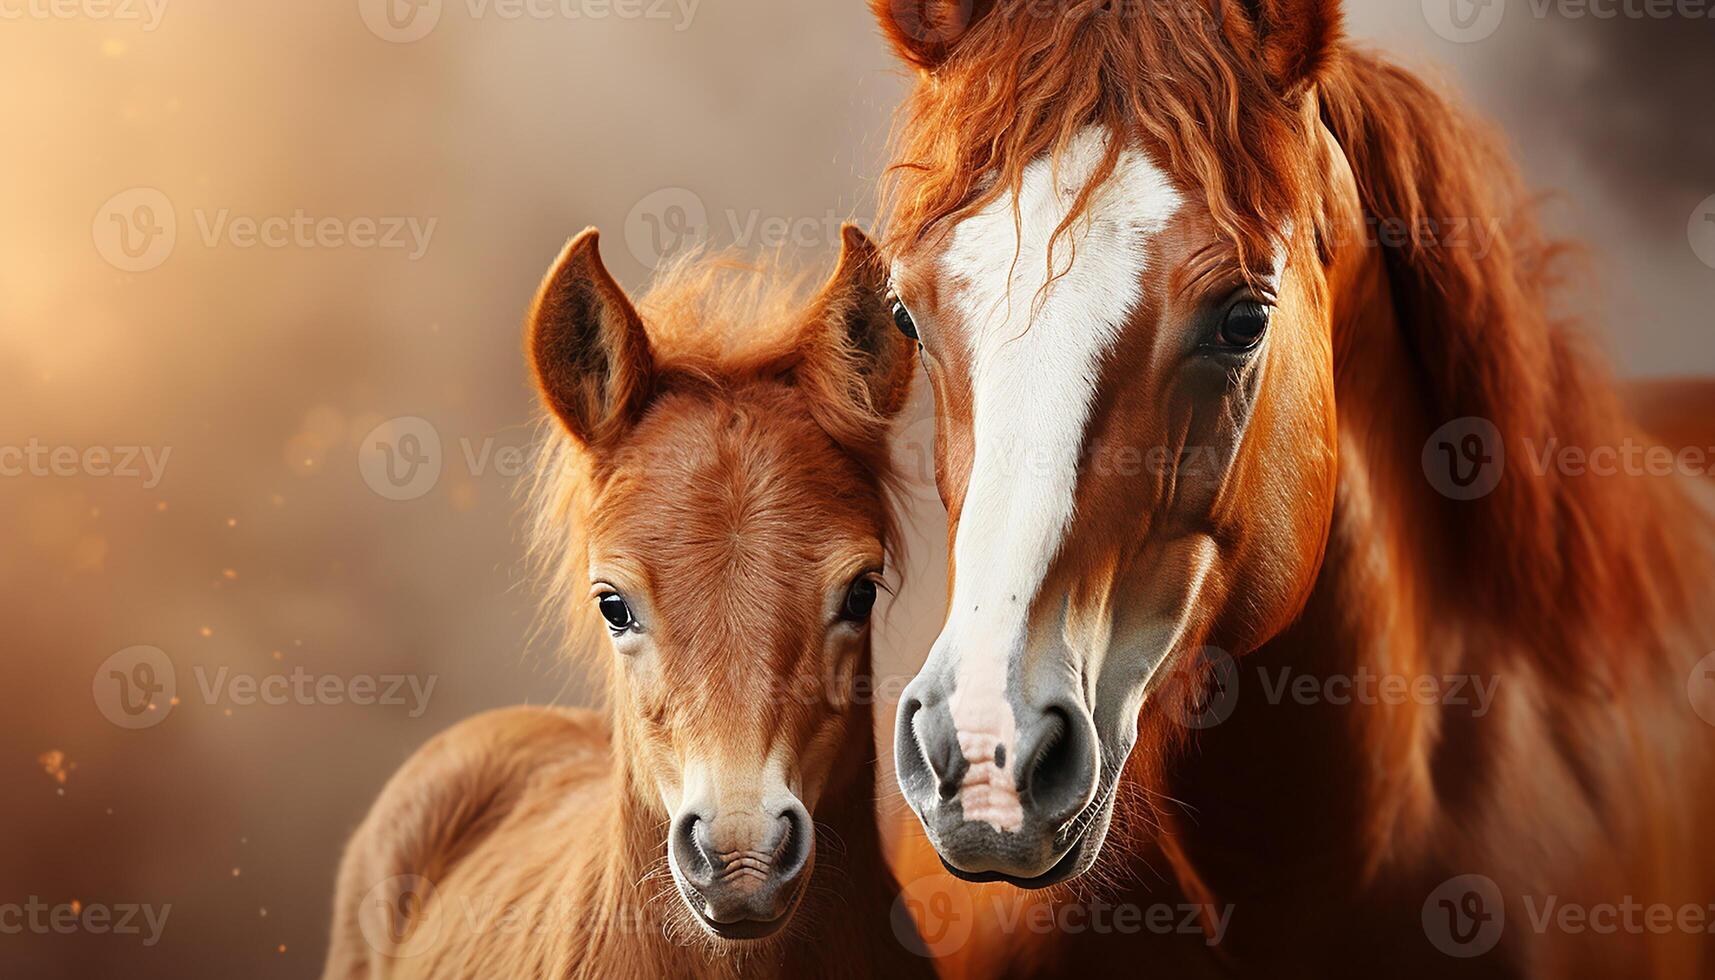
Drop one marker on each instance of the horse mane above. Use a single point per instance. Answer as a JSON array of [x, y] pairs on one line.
[[1557, 557], [717, 323], [1585, 564], [1023, 83]]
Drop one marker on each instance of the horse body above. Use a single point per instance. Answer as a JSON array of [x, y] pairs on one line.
[[1531, 744]]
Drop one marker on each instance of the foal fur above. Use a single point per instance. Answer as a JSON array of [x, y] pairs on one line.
[[728, 441]]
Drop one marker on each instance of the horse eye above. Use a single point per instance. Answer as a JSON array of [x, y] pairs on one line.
[[616, 612], [1243, 327], [902, 320], [860, 600]]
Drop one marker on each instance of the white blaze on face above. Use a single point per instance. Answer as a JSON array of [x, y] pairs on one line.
[[1033, 380]]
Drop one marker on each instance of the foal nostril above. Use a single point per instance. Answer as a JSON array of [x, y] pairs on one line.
[[792, 852], [926, 750], [1057, 768], [692, 852]]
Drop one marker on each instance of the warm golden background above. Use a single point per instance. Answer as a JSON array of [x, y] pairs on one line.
[[263, 549]]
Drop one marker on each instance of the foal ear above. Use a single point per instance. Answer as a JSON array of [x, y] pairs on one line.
[[587, 347], [857, 330], [923, 32], [1298, 39]]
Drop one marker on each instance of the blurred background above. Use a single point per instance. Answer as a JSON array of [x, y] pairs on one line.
[[263, 405]]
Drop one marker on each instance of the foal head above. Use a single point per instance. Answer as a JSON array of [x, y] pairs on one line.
[[726, 468], [1104, 235]]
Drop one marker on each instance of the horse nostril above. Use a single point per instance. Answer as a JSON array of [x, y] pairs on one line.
[[1057, 770], [926, 750]]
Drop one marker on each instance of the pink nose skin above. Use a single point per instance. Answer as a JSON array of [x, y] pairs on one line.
[[989, 793], [983, 719]]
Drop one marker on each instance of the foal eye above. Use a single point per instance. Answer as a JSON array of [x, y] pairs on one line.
[[860, 600], [1243, 326], [902, 319], [616, 612]]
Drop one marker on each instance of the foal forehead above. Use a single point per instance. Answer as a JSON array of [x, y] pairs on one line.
[[734, 492]]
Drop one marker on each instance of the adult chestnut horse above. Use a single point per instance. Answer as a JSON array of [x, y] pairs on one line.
[[715, 495], [1245, 361]]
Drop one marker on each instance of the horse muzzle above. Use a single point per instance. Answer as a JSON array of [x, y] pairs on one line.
[[1012, 802]]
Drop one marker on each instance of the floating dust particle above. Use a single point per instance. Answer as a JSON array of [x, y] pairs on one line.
[[160, 506], [229, 573], [236, 872], [206, 631], [232, 522], [56, 765], [113, 47]]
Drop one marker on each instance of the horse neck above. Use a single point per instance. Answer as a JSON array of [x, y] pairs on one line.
[[1394, 599]]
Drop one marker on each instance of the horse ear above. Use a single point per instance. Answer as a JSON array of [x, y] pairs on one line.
[[1298, 38], [923, 32], [587, 347], [851, 313]]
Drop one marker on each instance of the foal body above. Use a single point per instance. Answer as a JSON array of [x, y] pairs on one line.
[[526, 852], [722, 505]]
